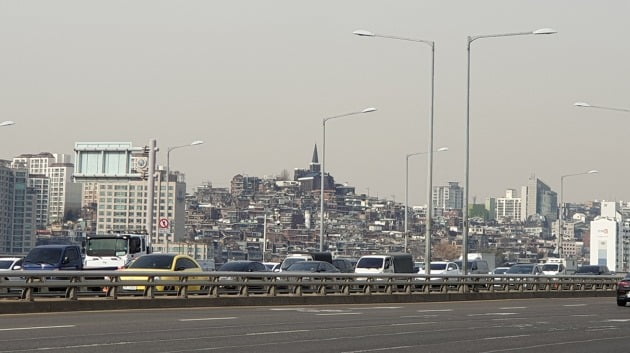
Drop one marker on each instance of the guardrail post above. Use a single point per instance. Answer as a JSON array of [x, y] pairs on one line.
[[71, 290], [244, 290], [183, 289], [27, 292], [149, 289]]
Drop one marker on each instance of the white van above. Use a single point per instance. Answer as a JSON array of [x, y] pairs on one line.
[[392, 263]]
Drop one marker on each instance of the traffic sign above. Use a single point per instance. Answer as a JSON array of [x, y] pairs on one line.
[[163, 223]]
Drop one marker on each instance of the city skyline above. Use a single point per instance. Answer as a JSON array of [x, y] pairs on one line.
[[254, 81]]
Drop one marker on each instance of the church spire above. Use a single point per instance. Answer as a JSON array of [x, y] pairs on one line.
[[315, 159]]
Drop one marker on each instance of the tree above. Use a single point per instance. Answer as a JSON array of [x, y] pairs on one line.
[[445, 251]]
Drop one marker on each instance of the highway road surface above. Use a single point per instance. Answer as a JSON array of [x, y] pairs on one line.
[[527, 325]]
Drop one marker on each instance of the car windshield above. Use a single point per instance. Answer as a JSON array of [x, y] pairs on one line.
[[290, 261], [44, 256], [235, 267], [525, 269], [106, 247], [5, 264], [550, 267], [161, 262], [304, 266], [370, 262], [438, 266], [588, 269]]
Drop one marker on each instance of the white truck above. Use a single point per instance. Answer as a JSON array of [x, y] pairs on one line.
[[113, 251], [559, 266]]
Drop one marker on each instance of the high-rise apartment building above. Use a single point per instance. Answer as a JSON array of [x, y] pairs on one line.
[[122, 206], [51, 178], [17, 211], [448, 197]]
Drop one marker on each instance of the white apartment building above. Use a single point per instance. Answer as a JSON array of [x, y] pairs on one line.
[[122, 206], [508, 207]]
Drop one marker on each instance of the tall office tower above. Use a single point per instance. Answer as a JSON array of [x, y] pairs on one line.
[[59, 194], [448, 197], [508, 207], [17, 211], [537, 198]]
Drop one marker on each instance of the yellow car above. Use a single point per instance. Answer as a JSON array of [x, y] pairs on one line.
[[161, 263]]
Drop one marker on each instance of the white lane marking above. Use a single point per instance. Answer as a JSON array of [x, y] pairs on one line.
[[492, 314], [35, 328], [504, 337], [377, 308], [274, 332], [429, 310], [510, 318], [574, 305], [583, 315], [210, 318], [307, 310], [601, 328], [617, 320], [416, 316], [331, 314], [513, 307], [413, 323], [379, 349]]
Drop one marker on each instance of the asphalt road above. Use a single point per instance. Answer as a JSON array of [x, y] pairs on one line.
[[527, 325]]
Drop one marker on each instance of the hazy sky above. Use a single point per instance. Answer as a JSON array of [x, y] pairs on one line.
[[253, 79]]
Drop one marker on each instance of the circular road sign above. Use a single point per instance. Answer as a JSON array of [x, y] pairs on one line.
[[163, 223]]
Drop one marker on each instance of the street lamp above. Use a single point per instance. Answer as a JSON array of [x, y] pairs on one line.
[[323, 171], [561, 218], [427, 254], [467, 173], [168, 173], [586, 105], [407, 190], [7, 123]]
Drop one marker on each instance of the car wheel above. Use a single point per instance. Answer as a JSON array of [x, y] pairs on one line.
[[621, 302]]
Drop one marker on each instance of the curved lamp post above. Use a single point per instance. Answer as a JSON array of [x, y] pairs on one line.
[[322, 178], [7, 123], [429, 205], [586, 105], [467, 173], [561, 218], [168, 173], [431, 44]]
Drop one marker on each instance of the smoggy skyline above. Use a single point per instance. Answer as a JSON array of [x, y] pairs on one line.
[[254, 80]]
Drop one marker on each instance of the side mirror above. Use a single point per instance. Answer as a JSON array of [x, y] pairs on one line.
[[17, 267], [181, 268], [65, 261]]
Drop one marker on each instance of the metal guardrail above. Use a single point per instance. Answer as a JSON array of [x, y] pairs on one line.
[[73, 285]]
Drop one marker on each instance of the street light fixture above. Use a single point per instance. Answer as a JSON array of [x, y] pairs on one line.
[[430, 205], [427, 250], [322, 177], [7, 123], [586, 105], [467, 173], [168, 173], [561, 218]]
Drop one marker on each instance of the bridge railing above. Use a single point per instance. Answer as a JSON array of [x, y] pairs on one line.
[[74, 285]]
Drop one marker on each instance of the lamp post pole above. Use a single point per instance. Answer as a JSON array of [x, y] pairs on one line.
[[7, 123], [467, 171], [407, 194], [561, 218], [431, 44], [322, 177], [168, 179]]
